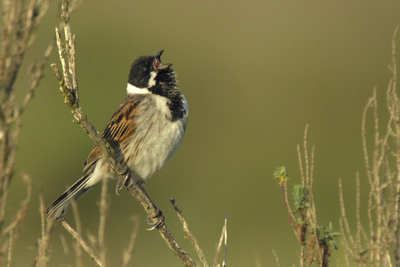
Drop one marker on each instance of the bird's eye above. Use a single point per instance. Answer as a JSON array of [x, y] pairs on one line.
[[144, 69]]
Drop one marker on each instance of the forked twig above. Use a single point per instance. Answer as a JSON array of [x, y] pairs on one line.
[[382, 164], [222, 240]]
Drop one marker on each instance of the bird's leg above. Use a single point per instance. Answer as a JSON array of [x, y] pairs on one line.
[[121, 183], [158, 219]]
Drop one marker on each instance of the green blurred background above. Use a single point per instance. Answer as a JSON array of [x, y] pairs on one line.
[[255, 73]]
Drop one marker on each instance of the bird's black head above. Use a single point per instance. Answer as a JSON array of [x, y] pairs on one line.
[[148, 71]]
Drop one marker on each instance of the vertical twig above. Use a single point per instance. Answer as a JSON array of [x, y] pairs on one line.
[[44, 241], [66, 250], [395, 114], [384, 180], [222, 240], [10, 245], [78, 225], [128, 251], [102, 221]]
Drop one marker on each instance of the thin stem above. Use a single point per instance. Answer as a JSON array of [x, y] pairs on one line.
[[82, 242], [191, 237]]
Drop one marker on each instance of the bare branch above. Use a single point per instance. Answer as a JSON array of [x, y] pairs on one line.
[[191, 237], [82, 242], [382, 165]]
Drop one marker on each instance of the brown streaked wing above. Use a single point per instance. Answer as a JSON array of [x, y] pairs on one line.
[[120, 127]]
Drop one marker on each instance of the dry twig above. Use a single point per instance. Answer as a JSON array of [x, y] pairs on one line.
[[382, 166], [102, 221], [128, 251], [78, 225], [66, 250], [41, 259], [82, 242], [223, 239], [20, 23], [190, 236]]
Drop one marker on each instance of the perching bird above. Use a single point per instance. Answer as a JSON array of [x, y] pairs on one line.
[[145, 131]]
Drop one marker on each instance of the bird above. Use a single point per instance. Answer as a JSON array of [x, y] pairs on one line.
[[144, 132]]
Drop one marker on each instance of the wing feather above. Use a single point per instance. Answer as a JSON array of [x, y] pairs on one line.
[[120, 127]]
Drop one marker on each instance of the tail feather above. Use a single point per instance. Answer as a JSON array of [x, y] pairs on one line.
[[61, 204]]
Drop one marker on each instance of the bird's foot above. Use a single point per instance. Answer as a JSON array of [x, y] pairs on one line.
[[121, 183], [158, 220]]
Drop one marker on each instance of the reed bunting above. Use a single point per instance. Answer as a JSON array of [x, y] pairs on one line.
[[144, 132]]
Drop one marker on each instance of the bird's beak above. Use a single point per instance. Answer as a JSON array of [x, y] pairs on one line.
[[157, 64]]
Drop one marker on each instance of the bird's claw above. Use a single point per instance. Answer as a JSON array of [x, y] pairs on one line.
[[121, 183], [158, 220]]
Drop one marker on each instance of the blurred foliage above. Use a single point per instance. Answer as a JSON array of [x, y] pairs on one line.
[[327, 234], [299, 197]]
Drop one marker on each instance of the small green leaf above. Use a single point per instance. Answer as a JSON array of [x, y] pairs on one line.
[[300, 198], [281, 175], [327, 235]]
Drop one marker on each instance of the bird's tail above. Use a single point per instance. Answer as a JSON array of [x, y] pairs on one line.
[[62, 204]]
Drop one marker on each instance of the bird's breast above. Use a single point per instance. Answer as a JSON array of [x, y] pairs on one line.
[[155, 139]]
